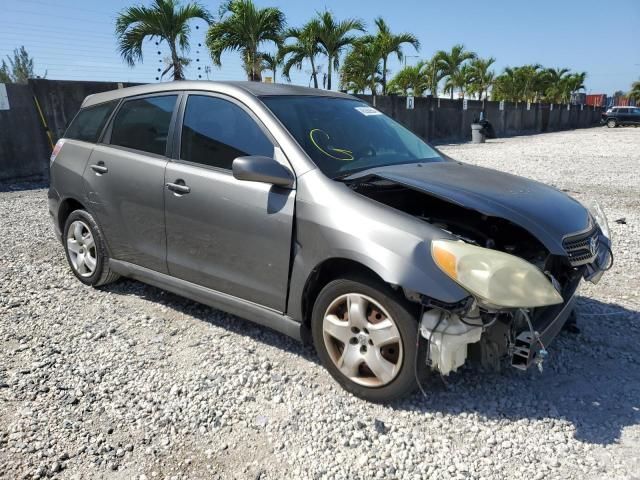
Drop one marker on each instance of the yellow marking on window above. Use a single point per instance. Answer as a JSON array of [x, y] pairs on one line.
[[348, 153]]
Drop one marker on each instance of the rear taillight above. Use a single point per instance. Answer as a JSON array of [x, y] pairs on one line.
[[56, 150]]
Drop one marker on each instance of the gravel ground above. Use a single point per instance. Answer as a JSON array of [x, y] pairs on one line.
[[131, 382]]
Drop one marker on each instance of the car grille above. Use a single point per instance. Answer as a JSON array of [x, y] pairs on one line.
[[582, 248]]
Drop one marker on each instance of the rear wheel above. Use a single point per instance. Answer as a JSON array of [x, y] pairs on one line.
[[365, 335], [86, 250], [611, 123]]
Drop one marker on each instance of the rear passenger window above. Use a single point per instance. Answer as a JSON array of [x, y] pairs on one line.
[[216, 131], [89, 122], [143, 124]]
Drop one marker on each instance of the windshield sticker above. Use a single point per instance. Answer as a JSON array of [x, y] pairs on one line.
[[320, 140], [368, 111]]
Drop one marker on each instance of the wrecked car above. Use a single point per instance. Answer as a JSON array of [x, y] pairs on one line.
[[312, 213]]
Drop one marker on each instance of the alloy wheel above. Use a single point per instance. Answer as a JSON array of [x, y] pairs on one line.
[[362, 340], [81, 247]]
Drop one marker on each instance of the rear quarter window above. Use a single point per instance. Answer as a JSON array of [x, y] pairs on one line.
[[89, 122]]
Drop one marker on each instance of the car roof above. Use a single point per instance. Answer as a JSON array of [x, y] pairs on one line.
[[256, 89]]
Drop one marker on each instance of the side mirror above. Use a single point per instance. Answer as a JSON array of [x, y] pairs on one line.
[[261, 169]]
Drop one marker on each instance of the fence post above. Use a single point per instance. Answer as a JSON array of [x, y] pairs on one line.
[[432, 118]]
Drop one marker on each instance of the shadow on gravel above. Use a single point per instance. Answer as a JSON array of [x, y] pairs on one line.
[[590, 379], [213, 316], [23, 185]]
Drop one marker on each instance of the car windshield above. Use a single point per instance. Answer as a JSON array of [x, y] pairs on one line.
[[343, 136]]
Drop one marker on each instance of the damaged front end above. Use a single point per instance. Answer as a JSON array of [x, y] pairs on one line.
[[493, 337], [521, 286]]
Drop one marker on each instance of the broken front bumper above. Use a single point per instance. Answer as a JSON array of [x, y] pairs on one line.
[[527, 348], [548, 321], [516, 333]]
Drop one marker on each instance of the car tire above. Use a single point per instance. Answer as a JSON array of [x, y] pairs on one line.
[[86, 250], [376, 351], [611, 123]]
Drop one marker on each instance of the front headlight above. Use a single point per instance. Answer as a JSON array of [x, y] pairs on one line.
[[494, 278], [600, 218]]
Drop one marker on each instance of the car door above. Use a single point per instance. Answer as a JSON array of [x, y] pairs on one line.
[[222, 233], [613, 114], [635, 115], [125, 180], [625, 116]]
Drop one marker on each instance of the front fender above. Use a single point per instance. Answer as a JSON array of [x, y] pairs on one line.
[[342, 224]]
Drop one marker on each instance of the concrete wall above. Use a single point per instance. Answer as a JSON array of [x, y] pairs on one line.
[[445, 120], [25, 148], [24, 145]]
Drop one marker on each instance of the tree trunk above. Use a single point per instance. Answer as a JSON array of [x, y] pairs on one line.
[[175, 60], [313, 72], [254, 73], [384, 75], [329, 73]]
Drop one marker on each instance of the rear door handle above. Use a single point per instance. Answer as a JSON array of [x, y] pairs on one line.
[[99, 168], [179, 188]]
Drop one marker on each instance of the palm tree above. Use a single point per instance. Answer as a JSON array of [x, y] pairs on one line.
[[334, 37], [305, 47], [361, 69], [244, 27], [458, 79], [164, 19], [555, 79], [534, 82], [272, 61], [634, 93], [520, 84], [573, 83], [409, 78], [480, 77], [388, 43], [505, 86], [451, 62], [433, 75]]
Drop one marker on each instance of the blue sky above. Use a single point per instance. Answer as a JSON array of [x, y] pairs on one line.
[[73, 39]]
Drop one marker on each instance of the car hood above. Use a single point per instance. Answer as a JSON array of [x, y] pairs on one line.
[[544, 211]]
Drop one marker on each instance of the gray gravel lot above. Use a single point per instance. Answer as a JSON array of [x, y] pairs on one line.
[[131, 382]]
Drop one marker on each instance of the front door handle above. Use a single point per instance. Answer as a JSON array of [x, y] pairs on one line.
[[99, 168], [178, 187]]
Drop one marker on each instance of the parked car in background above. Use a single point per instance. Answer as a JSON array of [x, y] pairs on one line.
[[312, 213], [620, 116]]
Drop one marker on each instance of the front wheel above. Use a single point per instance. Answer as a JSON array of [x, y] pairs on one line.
[[365, 336], [611, 123]]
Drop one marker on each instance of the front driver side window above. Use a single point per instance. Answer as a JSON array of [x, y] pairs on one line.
[[216, 131]]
